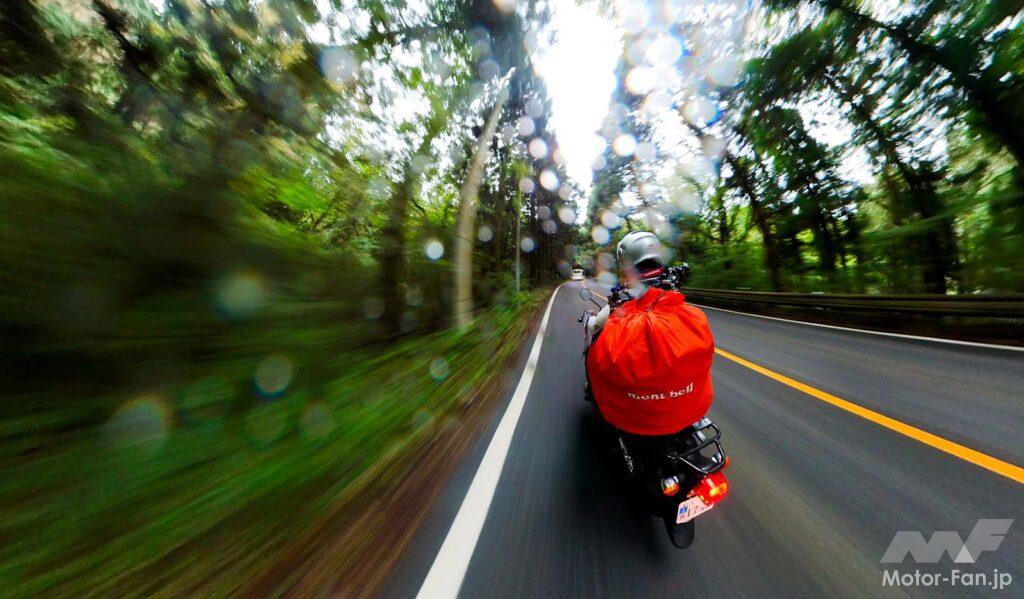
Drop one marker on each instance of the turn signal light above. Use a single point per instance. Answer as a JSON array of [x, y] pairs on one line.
[[712, 488], [670, 486]]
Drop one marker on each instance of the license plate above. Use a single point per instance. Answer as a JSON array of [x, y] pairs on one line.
[[690, 509]]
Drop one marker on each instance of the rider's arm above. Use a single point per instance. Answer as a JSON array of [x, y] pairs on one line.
[[598, 321]]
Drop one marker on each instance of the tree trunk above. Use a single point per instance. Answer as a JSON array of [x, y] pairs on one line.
[[723, 221], [392, 243], [772, 255], [534, 229], [517, 251], [772, 251], [462, 307], [823, 239], [392, 246]]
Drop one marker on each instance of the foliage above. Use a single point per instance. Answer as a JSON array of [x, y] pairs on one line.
[[926, 96], [223, 225]]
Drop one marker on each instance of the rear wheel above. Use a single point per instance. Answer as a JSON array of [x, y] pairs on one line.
[[681, 535]]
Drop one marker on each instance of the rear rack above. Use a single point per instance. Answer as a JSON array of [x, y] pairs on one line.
[[688, 456]]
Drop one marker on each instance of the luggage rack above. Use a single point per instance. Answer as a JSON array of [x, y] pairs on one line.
[[691, 455]]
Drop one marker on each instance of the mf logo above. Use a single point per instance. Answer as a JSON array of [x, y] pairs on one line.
[[986, 536]]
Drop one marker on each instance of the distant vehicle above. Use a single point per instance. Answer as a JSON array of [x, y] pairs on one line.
[[577, 274]]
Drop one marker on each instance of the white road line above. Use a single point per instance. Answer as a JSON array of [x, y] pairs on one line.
[[883, 333], [449, 568]]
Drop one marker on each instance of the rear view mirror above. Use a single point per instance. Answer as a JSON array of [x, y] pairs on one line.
[[586, 295]]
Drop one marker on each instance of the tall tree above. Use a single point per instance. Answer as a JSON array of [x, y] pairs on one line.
[[990, 95], [465, 232], [393, 234]]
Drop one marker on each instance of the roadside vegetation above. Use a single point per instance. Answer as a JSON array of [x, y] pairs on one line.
[[228, 269], [206, 481], [832, 145]]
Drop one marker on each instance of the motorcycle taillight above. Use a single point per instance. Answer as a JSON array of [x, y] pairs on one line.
[[712, 488]]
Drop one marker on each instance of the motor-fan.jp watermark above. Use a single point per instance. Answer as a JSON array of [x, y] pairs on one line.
[[986, 536]]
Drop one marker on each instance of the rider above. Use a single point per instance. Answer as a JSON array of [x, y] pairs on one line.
[[638, 254], [649, 370]]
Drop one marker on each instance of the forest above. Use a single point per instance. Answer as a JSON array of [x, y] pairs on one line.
[[921, 96], [252, 249]]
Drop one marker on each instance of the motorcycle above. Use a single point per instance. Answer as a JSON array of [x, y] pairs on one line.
[[682, 474]]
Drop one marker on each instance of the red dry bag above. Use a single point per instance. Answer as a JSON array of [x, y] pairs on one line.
[[650, 368]]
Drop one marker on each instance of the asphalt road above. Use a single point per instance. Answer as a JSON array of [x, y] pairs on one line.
[[817, 493]]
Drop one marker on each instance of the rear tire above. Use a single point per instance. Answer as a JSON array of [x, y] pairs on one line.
[[681, 535]]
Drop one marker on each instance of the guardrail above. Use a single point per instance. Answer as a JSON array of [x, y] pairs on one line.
[[994, 306], [983, 318]]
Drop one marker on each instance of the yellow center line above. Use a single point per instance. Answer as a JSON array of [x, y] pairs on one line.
[[1010, 471], [594, 292]]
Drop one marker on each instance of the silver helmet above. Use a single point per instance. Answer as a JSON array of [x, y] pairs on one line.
[[639, 247]]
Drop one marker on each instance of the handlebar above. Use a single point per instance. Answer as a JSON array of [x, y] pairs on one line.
[[671, 278]]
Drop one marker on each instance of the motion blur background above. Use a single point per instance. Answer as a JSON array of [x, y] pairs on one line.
[[254, 254]]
